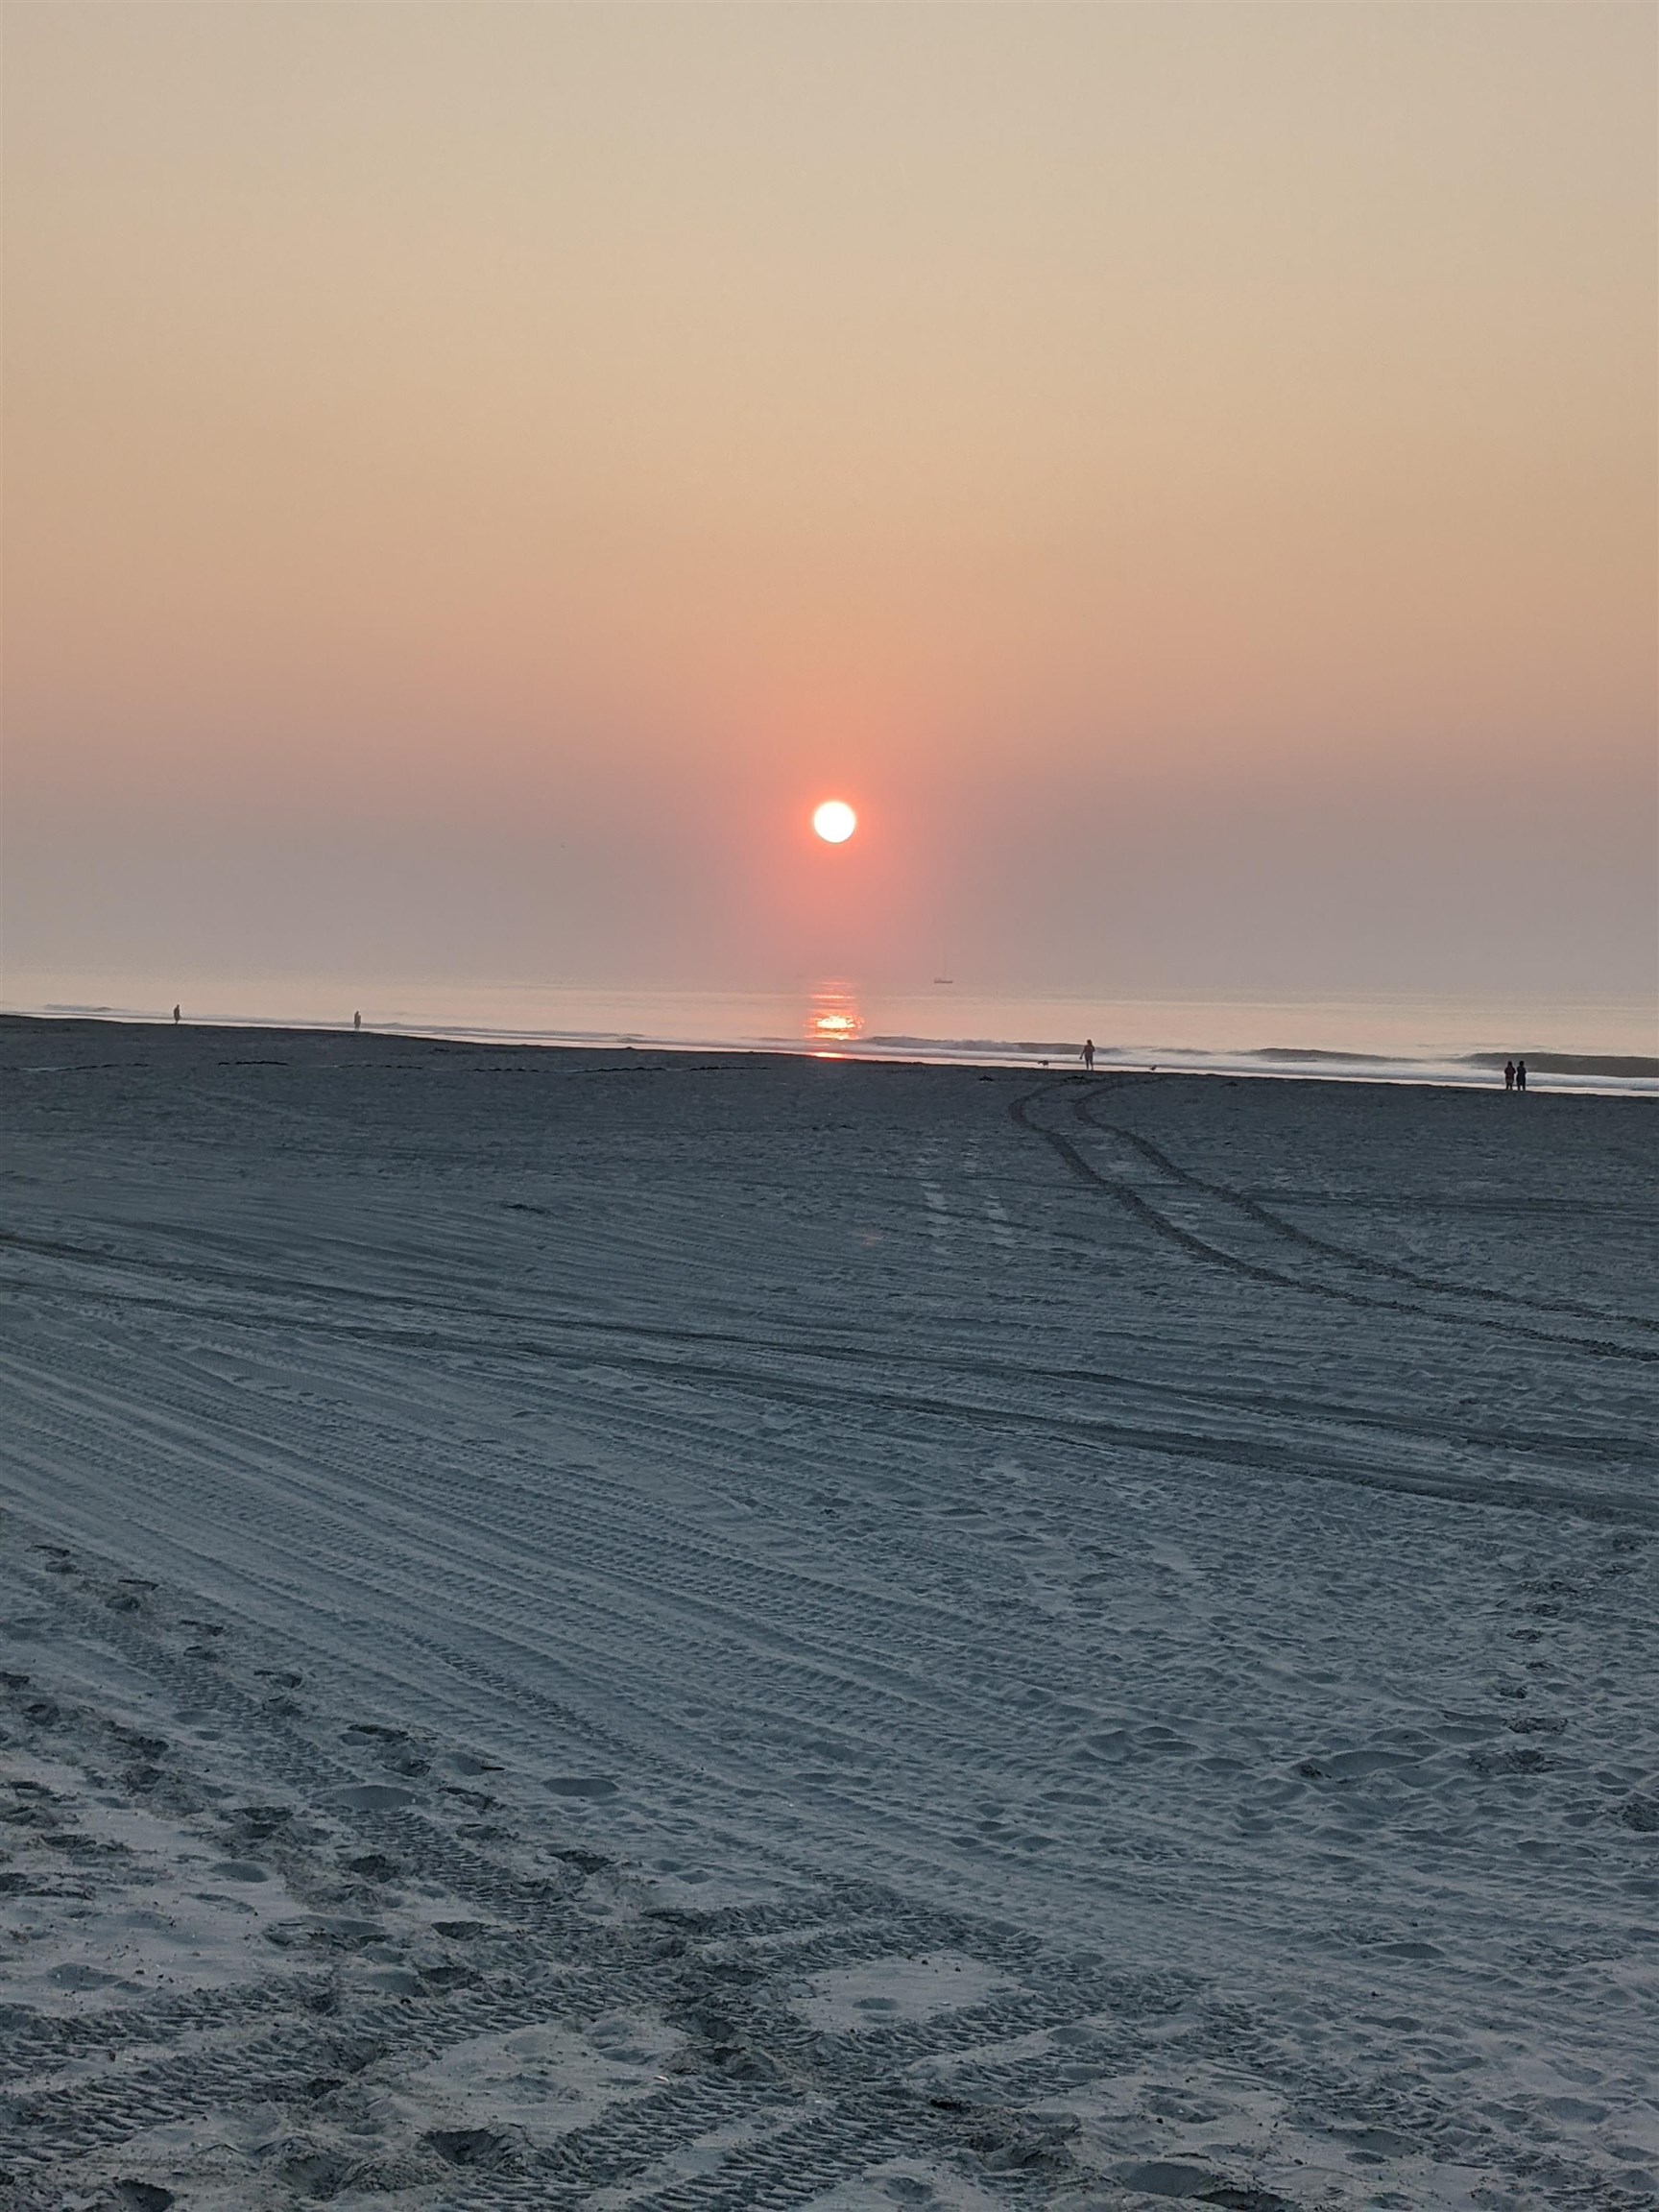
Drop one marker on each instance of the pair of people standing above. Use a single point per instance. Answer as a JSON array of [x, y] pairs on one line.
[[1514, 1074]]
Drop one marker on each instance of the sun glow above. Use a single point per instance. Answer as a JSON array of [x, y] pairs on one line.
[[834, 1016], [834, 821]]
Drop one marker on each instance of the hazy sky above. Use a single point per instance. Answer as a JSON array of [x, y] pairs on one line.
[[476, 475]]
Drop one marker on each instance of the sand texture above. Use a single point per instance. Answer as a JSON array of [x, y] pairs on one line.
[[633, 1630]]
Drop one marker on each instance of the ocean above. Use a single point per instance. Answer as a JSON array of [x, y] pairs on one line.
[[1579, 1044]]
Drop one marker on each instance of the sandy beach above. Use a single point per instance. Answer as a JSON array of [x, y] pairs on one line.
[[633, 1630]]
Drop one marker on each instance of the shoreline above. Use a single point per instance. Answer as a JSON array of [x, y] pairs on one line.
[[1603, 1075]]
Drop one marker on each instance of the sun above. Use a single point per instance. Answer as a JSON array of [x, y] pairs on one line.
[[834, 821]]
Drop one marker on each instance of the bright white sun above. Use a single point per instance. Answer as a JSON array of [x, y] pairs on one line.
[[834, 821]]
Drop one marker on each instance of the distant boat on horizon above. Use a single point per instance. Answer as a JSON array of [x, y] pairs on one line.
[[943, 978]]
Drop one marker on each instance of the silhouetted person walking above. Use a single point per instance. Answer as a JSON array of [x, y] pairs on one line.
[[1508, 1074], [176, 1017], [1520, 1074], [1086, 1055], [356, 1021]]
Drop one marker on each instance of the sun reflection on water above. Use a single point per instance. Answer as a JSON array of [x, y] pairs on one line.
[[833, 1017]]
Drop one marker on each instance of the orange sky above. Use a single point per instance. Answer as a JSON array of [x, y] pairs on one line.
[[565, 441]]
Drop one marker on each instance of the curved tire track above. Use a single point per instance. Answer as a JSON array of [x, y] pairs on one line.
[[1216, 1256], [1364, 1263]]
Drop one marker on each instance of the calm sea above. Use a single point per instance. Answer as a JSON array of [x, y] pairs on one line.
[[1578, 1044]]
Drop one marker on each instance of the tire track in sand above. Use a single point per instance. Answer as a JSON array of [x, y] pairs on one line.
[[1366, 1264], [1273, 1278]]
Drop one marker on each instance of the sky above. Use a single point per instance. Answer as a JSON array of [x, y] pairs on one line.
[[477, 476]]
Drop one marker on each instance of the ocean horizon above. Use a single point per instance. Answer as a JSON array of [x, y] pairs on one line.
[[1570, 1043]]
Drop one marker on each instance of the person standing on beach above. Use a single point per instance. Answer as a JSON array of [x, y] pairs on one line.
[[1520, 1074], [175, 1016], [1086, 1055], [356, 1021], [1508, 1074]]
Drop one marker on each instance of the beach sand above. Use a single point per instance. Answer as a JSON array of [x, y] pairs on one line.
[[633, 1630]]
